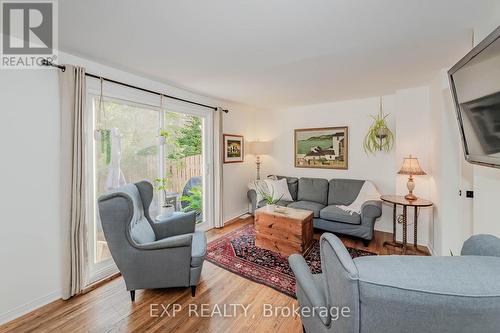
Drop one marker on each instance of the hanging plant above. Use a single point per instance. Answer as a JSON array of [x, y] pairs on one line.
[[379, 136], [103, 134], [164, 136], [106, 144]]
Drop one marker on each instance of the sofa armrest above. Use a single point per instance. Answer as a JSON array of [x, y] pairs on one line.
[[166, 243], [316, 297], [481, 245], [177, 224], [371, 209], [252, 197]]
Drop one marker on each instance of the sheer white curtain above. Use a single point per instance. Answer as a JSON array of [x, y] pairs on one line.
[[218, 172], [73, 182]]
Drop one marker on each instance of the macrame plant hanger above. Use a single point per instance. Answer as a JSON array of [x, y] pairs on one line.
[[103, 134], [162, 130]]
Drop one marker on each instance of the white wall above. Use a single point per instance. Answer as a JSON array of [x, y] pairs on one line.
[[31, 244], [486, 180], [409, 120], [453, 212], [414, 136], [32, 241], [240, 120], [457, 217]]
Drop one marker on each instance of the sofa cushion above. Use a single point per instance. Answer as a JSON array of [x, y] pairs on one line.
[[343, 191], [140, 229], [293, 185], [308, 205], [198, 248], [334, 213], [313, 189], [278, 189]]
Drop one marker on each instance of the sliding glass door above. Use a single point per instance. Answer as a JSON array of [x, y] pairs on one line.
[[132, 139]]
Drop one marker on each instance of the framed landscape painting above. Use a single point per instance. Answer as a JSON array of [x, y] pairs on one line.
[[324, 148], [233, 148]]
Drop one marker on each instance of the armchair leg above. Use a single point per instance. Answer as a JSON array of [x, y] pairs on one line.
[[132, 295], [193, 290]]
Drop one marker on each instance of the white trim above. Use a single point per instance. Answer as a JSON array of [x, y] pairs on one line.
[[241, 212], [102, 273], [30, 306], [228, 221]]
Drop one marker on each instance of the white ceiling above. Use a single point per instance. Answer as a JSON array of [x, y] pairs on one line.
[[275, 53]]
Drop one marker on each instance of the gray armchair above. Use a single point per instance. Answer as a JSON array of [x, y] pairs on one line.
[[402, 293], [150, 254]]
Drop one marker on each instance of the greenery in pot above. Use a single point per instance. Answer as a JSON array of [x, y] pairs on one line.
[[162, 184], [379, 136], [268, 197], [104, 135], [194, 202]]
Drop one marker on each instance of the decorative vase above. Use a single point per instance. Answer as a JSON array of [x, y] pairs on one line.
[[382, 133], [271, 208], [167, 210]]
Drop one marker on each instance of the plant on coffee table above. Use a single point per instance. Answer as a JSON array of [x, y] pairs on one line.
[[268, 197]]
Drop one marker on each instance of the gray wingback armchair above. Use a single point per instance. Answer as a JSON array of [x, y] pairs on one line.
[[402, 293], [150, 254]]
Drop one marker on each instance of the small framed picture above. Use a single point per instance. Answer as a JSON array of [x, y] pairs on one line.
[[233, 148]]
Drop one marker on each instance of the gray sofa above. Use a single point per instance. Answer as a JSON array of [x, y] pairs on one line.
[[151, 254], [402, 293], [322, 197]]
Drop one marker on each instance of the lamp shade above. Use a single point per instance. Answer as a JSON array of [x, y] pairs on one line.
[[411, 167], [260, 147]]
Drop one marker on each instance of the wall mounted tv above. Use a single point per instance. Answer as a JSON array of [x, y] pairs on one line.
[[475, 86]]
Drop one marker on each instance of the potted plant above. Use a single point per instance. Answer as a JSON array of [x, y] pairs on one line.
[[379, 136], [268, 197], [194, 202], [162, 184], [104, 137]]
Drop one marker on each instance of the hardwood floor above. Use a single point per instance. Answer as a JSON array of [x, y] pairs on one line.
[[108, 308]]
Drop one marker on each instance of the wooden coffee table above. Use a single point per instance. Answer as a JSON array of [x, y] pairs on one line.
[[285, 232]]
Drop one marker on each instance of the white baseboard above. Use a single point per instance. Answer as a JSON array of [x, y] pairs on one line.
[[29, 306], [234, 216]]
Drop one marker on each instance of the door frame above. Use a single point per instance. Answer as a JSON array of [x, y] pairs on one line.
[[106, 268]]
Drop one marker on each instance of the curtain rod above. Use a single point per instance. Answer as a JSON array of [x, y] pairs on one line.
[[46, 62]]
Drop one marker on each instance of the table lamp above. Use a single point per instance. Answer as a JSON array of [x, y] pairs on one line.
[[259, 148], [412, 168]]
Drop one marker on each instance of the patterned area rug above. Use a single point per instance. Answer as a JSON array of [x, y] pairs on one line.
[[237, 253]]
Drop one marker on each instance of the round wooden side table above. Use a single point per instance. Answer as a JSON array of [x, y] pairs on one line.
[[396, 200]]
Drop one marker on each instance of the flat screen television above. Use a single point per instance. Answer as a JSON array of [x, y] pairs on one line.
[[475, 86]]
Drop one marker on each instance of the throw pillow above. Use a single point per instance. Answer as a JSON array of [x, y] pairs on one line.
[[258, 186], [279, 189]]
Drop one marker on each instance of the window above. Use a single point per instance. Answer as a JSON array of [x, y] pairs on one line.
[[166, 146]]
